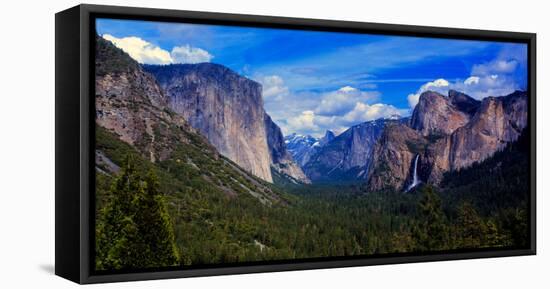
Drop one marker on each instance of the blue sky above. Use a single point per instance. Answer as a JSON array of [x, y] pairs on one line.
[[314, 81]]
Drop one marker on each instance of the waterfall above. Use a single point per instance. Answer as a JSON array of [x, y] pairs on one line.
[[415, 181]]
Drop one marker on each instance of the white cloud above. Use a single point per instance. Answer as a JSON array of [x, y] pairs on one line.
[[273, 88], [188, 54], [148, 53], [343, 100], [492, 78], [498, 77], [472, 80], [141, 50], [308, 122], [363, 112], [440, 85], [480, 87], [477, 87], [347, 89], [302, 112], [304, 121], [497, 66]]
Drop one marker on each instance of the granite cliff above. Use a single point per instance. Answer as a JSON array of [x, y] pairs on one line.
[[130, 104], [393, 156], [436, 114], [227, 109], [447, 133], [281, 159], [303, 147], [347, 156], [497, 122], [223, 106], [132, 109]]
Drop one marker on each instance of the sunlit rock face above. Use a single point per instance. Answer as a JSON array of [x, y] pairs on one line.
[[223, 106], [436, 114], [348, 155], [448, 133]]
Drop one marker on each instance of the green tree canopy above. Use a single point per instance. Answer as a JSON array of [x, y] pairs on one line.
[[431, 232], [134, 229]]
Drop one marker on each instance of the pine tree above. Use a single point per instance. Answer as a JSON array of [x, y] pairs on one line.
[[493, 237], [134, 229], [156, 231], [516, 225], [470, 228], [431, 232]]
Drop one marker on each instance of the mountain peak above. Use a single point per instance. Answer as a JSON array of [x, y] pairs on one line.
[[517, 93], [301, 147], [329, 136], [430, 95], [463, 102], [436, 113], [394, 116], [329, 133], [111, 60]]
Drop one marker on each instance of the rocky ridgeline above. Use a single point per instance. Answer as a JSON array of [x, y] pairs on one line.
[[348, 155], [130, 103], [142, 103], [281, 159], [228, 110], [132, 107], [448, 133]]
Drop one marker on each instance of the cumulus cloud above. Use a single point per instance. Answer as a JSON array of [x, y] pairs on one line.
[[480, 87], [308, 122], [140, 50], [440, 85], [273, 88], [363, 112], [342, 100], [304, 121], [497, 66], [497, 77], [472, 80], [148, 53], [477, 87], [337, 110], [188, 54]]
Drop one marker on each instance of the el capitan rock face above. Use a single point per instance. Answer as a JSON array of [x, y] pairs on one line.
[[224, 106], [436, 114], [131, 108], [446, 132]]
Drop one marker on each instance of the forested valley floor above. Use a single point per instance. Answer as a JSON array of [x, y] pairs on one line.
[[151, 215]]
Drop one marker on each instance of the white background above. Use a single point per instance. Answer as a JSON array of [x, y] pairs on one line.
[[27, 144]]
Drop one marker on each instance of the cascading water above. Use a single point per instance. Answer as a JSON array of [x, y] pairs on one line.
[[415, 181]]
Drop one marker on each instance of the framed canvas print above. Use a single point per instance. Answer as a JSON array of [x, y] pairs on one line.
[[193, 144]]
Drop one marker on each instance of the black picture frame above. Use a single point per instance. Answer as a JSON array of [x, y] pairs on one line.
[[75, 127]]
